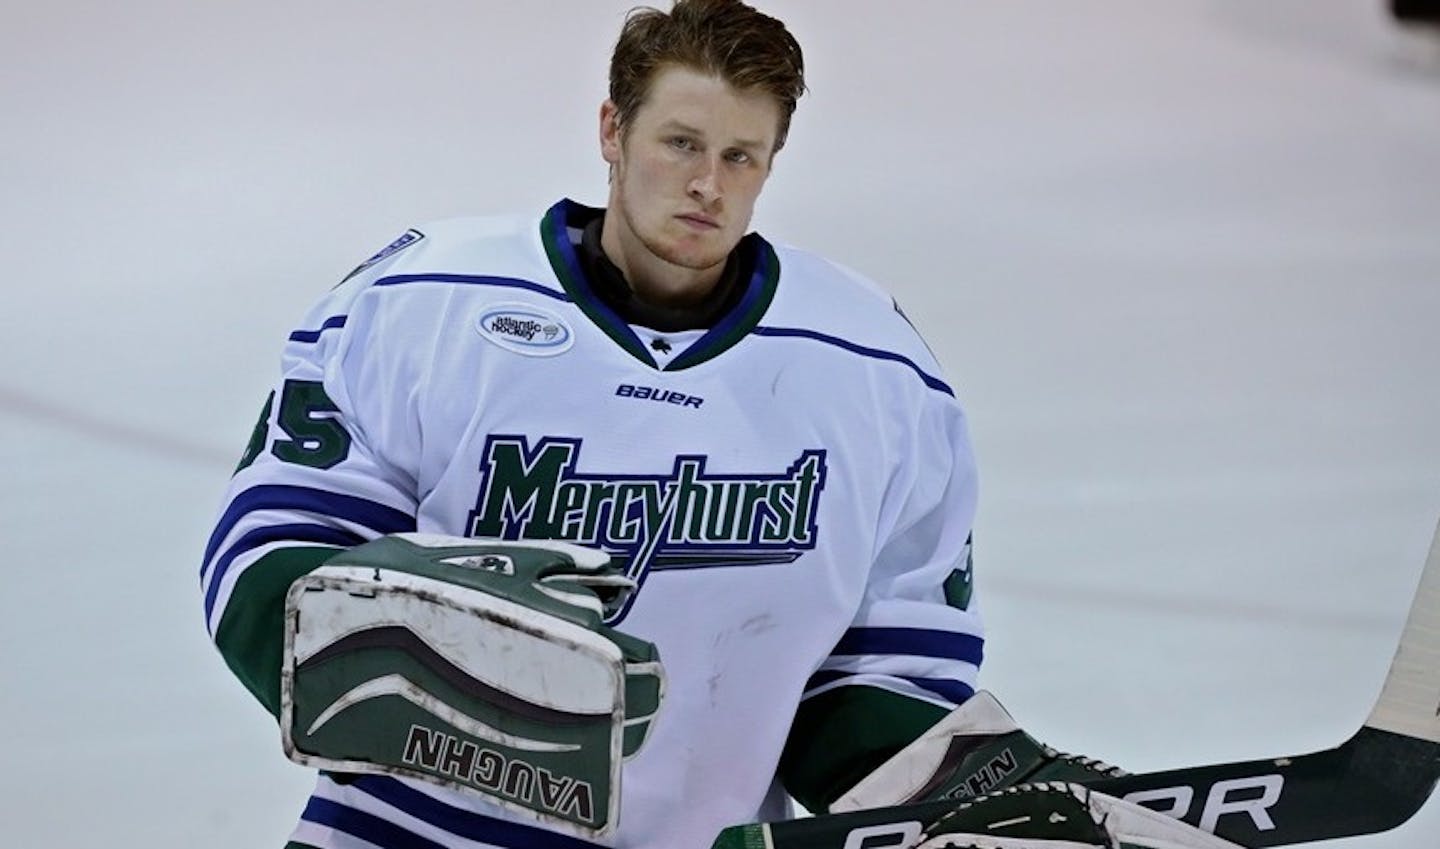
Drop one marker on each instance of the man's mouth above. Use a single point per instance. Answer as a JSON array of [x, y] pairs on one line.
[[699, 221]]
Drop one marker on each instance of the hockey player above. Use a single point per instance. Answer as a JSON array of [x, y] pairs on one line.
[[613, 526]]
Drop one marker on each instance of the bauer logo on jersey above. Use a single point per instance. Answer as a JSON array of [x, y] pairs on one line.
[[681, 518], [409, 238], [525, 329]]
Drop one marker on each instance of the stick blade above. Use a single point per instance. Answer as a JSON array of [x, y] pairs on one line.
[[1409, 703]]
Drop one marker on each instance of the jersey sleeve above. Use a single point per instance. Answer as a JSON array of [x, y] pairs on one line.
[[326, 468], [914, 648]]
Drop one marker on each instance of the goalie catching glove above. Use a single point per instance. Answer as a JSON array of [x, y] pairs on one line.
[[976, 748], [1012, 792], [476, 664], [1059, 816]]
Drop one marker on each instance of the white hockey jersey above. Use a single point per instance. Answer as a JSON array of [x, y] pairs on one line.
[[792, 489]]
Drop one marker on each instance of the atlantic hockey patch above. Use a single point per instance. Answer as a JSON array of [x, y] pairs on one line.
[[525, 329], [409, 238]]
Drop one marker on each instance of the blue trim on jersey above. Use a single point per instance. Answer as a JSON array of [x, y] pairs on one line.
[[577, 286], [461, 822], [755, 289], [557, 217], [472, 280], [874, 353], [330, 323], [364, 826], [949, 689], [920, 642], [273, 533], [955, 692], [827, 676], [377, 517], [736, 324]]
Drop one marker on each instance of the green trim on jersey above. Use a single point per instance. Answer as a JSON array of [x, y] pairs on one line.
[[561, 253], [842, 735], [257, 436], [727, 332], [251, 636], [959, 589], [747, 314]]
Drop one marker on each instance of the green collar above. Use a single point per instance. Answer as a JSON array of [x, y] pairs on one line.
[[567, 216]]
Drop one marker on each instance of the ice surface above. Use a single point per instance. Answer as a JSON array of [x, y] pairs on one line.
[[1180, 260]]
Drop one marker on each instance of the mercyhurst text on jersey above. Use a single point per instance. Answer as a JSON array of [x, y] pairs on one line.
[[683, 518]]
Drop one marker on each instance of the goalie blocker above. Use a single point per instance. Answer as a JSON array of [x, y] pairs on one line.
[[474, 664]]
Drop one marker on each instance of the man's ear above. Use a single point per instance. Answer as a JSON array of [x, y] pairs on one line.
[[610, 132]]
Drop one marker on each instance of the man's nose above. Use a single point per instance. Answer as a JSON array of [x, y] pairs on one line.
[[705, 185]]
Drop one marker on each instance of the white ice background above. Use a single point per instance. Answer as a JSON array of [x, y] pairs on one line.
[[1181, 259]]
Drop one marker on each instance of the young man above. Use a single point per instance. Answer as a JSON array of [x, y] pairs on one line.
[[757, 438]]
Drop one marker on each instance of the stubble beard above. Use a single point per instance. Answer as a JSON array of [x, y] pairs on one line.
[[657, 246]]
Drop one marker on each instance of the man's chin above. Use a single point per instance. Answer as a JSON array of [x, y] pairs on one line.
[[695, 257], [694, 263]]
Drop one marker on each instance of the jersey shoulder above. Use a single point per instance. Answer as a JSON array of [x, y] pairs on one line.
[[812, 268], [459, 250], [431, 275], [825, 297]]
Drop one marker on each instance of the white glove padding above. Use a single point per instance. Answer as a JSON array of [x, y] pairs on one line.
[[477, 664], [974, 749], [1061, 816]]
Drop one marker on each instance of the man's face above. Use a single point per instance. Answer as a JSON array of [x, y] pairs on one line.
[[688, 167]]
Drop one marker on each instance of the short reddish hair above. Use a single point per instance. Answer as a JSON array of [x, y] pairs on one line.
[[726, 38]]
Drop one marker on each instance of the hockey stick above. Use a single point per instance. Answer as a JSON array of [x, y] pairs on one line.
[[1372, 782]]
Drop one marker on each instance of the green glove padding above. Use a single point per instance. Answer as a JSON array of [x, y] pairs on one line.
[[477, 664]]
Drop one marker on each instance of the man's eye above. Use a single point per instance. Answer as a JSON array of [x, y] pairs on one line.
[[682, 143], [739, 157]]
